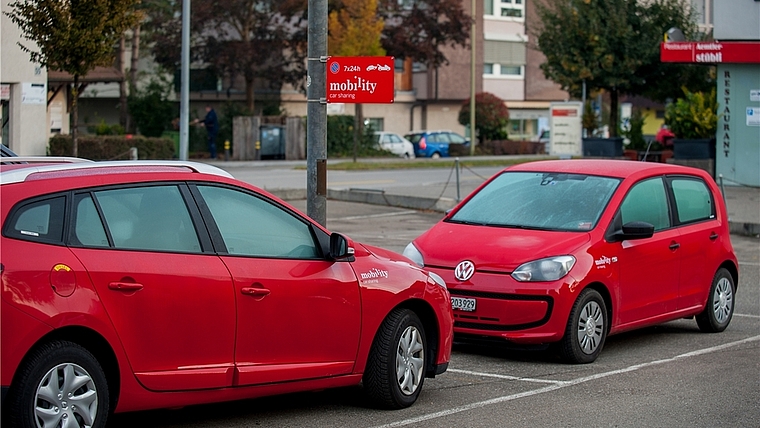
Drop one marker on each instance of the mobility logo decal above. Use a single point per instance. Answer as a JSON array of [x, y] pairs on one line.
[[373, 276], [603, 261]]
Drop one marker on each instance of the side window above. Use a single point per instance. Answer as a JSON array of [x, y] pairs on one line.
[[456, 138], [40, 221], [647, 202], [88, 230], [148, 218], [386, 138], [693, 200], [251, 226]]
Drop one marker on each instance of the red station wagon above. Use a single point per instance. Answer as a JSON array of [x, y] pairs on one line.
[[139, 285], [570, 251]]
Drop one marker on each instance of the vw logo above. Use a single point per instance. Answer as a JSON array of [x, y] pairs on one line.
[[464, 270], [334, 67]]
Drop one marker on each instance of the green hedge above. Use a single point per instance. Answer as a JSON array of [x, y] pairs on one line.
[[113, 147]]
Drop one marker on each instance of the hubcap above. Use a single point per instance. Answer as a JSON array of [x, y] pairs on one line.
[[66, 397], [590, 327], [723, 300], [410, 360]]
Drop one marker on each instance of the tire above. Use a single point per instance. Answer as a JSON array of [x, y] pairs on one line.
[[586, 329], [436, 155], [63, 383], [396, 365], [719, 308]]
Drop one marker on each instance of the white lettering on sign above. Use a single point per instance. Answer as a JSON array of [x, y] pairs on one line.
[[358, 84], [709, 57], [709, 46]]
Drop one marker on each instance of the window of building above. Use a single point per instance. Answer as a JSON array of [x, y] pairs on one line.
[[488, 69], [510, 70], [505, 8], [376, 123]]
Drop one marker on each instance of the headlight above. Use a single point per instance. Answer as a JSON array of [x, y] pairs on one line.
[[437, 278], [414, 255], [549, 269]]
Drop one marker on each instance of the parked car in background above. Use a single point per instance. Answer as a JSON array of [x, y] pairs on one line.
[[150, 284], [434, 144], [570, 251], [395, 144]]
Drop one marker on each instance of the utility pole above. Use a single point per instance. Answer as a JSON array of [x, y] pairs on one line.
[[473, 132], [316, 113], [184, 101]]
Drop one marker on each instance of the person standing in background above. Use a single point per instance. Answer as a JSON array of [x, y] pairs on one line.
[[211, 122]]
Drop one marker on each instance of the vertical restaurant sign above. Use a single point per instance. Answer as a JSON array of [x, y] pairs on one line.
[[360, 79]]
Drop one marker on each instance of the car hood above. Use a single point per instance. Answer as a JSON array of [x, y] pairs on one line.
[[493, 248]]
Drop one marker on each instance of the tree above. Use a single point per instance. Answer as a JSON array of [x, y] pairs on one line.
[[612, 45], [73, 37], [354, 29], [256, 40], [418, 29], [491, 116], [151, 108]]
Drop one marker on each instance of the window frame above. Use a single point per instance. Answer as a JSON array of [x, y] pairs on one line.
[[10, 232], [676, 220]]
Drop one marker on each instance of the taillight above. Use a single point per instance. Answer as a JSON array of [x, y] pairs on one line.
[[423, 144]]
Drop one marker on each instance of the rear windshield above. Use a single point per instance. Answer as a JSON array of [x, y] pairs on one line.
[[414, 138], [545, 201]]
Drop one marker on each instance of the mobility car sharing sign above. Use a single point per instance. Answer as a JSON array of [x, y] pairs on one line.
[[360, 79]]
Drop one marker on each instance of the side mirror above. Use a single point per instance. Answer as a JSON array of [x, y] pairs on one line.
[[634, 230], [339, 248]]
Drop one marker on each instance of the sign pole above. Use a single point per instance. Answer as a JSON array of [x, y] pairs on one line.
[[473, 36], [316, 113]]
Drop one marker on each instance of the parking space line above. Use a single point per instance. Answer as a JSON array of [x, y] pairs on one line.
[[564, 384], [507, 377], [747, 315], [749, 263]]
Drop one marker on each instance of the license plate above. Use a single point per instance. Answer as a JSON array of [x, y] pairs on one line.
[[463, 304]]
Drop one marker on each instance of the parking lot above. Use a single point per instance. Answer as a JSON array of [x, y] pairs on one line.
[[669, 375]]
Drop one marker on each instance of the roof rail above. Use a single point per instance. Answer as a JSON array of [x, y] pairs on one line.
[[42, 159], [21, 174]]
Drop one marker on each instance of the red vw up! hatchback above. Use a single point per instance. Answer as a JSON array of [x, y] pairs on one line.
[[138, 285], [570, 251]]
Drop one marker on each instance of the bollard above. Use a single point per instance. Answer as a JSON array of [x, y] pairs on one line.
[[226, 150], [133, 153]]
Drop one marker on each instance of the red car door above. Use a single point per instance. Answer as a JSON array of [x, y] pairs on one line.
[[172, 306], [702, 239], [649, 268], [299, 316]]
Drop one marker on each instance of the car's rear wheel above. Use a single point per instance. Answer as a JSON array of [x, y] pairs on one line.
[[586, 329], [396, 364], [60, 385], [720, 305], [436, 155]]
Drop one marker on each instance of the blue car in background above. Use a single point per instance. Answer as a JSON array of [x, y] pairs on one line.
[[434, 144]]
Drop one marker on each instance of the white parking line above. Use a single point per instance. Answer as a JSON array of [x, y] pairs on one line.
[[747, 315], [498, 376], [561, 385]]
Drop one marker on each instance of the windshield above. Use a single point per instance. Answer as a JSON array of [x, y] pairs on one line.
[[550, 201]]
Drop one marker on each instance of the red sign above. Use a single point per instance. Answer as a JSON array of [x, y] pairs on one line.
[[565, 112], [360, 79], [711, 52]]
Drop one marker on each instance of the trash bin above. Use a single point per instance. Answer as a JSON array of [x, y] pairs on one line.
[[272, 142]]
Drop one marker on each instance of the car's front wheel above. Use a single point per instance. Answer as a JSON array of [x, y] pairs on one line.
[[586, 328], [60, 385], [396, 364], [720, 304]]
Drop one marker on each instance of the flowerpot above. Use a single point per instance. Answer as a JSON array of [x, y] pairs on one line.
[[694, 148], [603, 147], [631, 154]]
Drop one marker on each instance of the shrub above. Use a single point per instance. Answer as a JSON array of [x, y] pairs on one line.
[[113, 147], [340, 138], [693, 117], [491, 116], [151, 108]]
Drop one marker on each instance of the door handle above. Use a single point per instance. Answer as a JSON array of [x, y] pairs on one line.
[[125, 286], [714, 236], [255, 292], [675, 246]]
